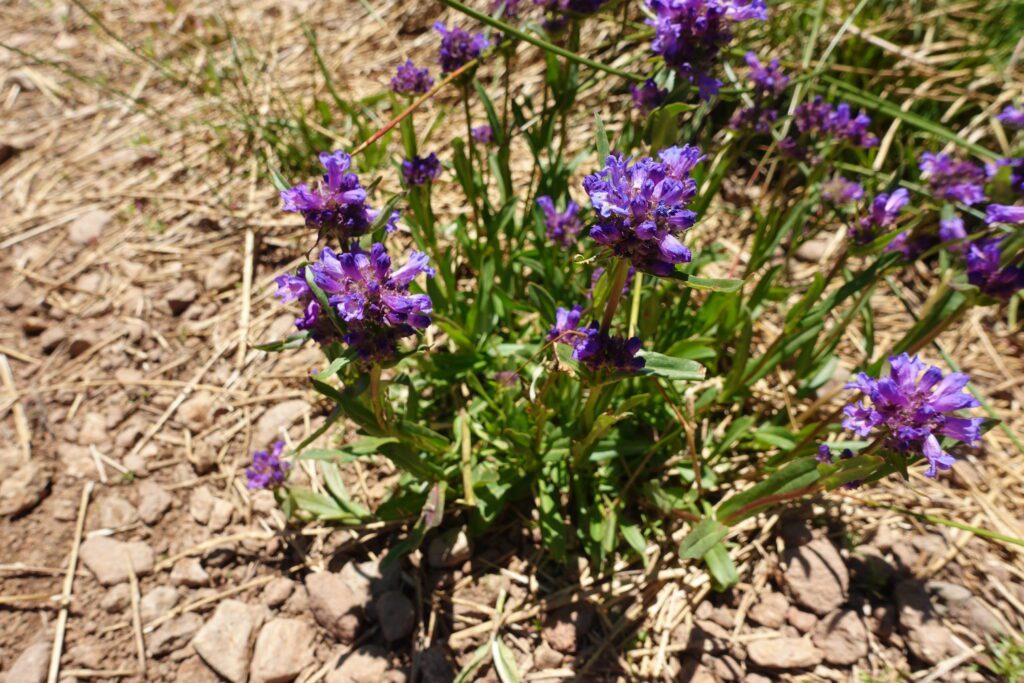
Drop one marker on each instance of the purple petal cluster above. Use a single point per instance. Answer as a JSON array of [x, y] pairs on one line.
[[839, 191], [818, 117], [337, 203], [1002, 213], [952, 229], [984, 270], [641, 207], [913, 406], [421, 170], [884, 211], [769, 81], [1012, 116], [561, 227], [410, 80], [592, 347], [647, 97], [690, 34], [267, 470], [458, 46], [372, 302], [482, 134], [948, 178]]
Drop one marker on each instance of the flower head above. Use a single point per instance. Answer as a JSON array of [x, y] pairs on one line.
[[267, 470], [483, 134], [910, 407], [768, 80], [824, 455], [960, 181], [817, 116], [1002, 213], [985, 272], [410, 80], [337, 203], [567, 321], [421, 170], [1012, 116], [593, 348], [951, 229], [839, 191], [647, 97], [641, 207], [885, 209], [561, 227], [690, 34], [458, 46]]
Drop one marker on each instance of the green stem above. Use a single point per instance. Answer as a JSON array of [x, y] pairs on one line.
[[619, 276], [376, 401], [634, 309]]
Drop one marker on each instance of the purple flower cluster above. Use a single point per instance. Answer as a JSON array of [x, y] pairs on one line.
[[483, 134], [458, 47], [267, 470], [561, 227], [421, 170], [768, 83], [960, 181], [818, 117], [592, 347], [1002, 213], [909, 409], [337, 203], [984, 270], [839, 191], [647, 97], [410, 80], [372, 303], [1012, 116], [641, 207], [884, 211], [690, 34], [952, 229]]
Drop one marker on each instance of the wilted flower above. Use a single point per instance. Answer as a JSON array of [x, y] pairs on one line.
[[267, 469], [647, 97], [482, 134], [372, 303], [839, 191], [337, 203], [410, 80], [768, 80], [984, 271], [1001, 213], [1012, 116], [421, 170], [909, 410], [955, 180], [884, 210], [561, 227], [458, 46], [641, 207], [690, 34]]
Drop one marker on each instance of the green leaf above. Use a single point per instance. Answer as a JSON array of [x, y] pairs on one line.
[[796, 475], [332, 369], [480, 656], [721, 568], [552, 523], [504, 662], [322, 507], [601, 139], [669, 367], [699, 541], [336, 487], [708, 283], [634, 537], [292, 341]]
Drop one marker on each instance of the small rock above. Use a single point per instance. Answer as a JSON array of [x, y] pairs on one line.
[[724, 617], [223, 272], [449, 549], [756, 678], [220, 514], [194, 670], [813, 250], [89, 226], [115, 512], [770, 610], [181, 296], [117, 599], [174, 634], [189, 572], [925, 636], [816, 576], [802, 621], [978, 617], [547, 657], [948, 593], [368, 664], [784, 653], [32, 664], [51, 338], [278, 591], [225, 640], [565, 628], [108, 559], [88, 655], [154, 501], [367, 578], [80, 341], [283, 648], [200, 504], [396, 615], [93, 430], [197, 412], [334, 605], [24, 488], [725, 668], [842, 637], [157, 603], [435, 665], [281, 416]]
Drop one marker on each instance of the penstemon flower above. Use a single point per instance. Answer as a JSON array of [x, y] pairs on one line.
[[647, 97], [1012, 116], [458, 46], [337, 203], [410, 80], [690, 34], [984, 271], [421, 170], [561, 227], [911, 408], [267, 469], [641, 207], [954, 180]]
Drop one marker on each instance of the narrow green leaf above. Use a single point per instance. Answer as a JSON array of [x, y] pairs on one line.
[[669, 367], [702, 538]]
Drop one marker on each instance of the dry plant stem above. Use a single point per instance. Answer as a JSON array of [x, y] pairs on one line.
[[140, 643], [771, 500], [691, 441], [69, 582], [20, 421]]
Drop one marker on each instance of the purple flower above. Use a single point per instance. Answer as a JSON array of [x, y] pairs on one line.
[[337, 203], [648, 96], [410, 80], [421, 170], [1001, 213], [984, 271], [372, 303], [267, 470], [817, 116], [567, 321], [812, 116], [910, 407], [885, 209], [951, 229], [561, 228], [599, 351], [482, 134], [641, 207], [458, 47], [768, 81], [824, 455], [755, 118], [1012, 116], [954, 180], [690, 34], [839, 191]]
